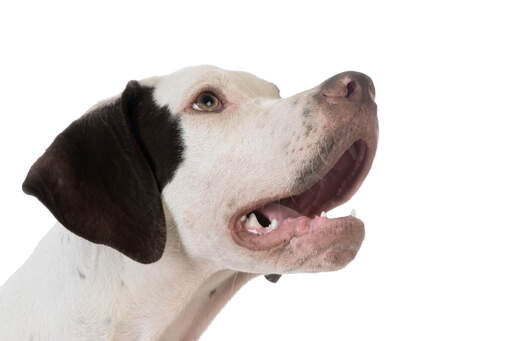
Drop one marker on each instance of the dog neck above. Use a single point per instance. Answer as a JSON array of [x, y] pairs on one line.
[[99, 293]]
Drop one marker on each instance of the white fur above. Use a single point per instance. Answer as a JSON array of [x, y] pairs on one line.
[[71, 289]]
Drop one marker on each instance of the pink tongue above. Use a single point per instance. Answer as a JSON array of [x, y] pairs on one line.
[[290, 223], [278, 212]]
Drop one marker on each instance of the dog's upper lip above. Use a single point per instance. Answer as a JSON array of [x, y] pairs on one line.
[[337, 184]]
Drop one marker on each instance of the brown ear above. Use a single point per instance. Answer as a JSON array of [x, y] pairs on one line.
[[98, 177]]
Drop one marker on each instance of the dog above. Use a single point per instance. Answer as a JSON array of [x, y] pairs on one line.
[[174, 194]]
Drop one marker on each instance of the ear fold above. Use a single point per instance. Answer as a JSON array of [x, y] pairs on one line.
[[98, 177]]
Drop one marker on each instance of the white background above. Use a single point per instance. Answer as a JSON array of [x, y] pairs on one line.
[[437, 259]]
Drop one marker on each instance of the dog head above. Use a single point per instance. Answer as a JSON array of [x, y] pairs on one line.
[[218, 160]]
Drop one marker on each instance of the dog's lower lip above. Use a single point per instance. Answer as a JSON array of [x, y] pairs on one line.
[[317, 230]]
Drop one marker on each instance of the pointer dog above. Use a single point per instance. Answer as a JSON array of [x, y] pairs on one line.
[[172, 195]]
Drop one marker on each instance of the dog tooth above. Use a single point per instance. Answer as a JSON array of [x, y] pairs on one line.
[[243, 218], [273, 225], [353, 213], [253, 221], [323, 214]]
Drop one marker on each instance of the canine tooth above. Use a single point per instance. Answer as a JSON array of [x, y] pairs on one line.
[[273, 225], [253, 221], [323, 214], [353, 213], [243, 218]]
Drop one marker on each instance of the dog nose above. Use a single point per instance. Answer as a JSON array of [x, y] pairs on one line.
[[351, 85]]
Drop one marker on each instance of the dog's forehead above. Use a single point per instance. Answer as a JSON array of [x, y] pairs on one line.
[[177, 87]]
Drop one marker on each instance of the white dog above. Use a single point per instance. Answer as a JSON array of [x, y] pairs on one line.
[[182, 189]]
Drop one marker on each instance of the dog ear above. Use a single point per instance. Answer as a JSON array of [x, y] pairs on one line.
[[99, 177]]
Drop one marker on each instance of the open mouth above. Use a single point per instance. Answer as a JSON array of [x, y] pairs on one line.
[[277, 222]]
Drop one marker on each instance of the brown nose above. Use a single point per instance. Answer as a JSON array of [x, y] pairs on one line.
[[351, 85]]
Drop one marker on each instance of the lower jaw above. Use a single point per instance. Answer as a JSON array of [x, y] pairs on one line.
[[303, 233]]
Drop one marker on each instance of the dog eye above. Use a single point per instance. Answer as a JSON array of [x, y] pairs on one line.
[[207, 101]]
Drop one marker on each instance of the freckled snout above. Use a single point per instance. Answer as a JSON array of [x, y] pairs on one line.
[[350, 85]]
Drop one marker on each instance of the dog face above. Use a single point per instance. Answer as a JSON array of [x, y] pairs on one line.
[[242, 174]]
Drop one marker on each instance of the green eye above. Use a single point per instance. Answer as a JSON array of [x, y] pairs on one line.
[[207, 101]]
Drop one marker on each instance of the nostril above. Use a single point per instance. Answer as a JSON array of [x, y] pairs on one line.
[[351, 88]]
